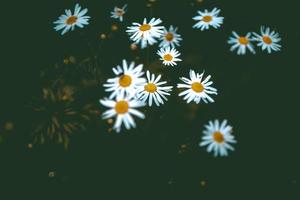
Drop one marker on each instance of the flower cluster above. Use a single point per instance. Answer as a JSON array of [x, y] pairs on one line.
[[266, 39], [132, 88]]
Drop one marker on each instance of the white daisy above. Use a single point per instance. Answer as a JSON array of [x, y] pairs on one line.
[[118, 13], [145, 33], [169, 56], [206, 19], [122, 108], [127, 80], [196, 89], [153, 90], [268, 39], [68, 21], [170, 38], [218, 138], [242, 43]]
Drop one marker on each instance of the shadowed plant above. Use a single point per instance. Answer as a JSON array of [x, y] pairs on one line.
[[57, 115]]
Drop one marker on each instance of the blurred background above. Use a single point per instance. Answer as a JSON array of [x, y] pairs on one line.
[[53, 142]]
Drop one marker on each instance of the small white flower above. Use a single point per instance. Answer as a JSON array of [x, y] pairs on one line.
[[122, 108], [196, 88], [153, 90], [206, 19], [242, 43], [268, 39], [68, 21], [169, 56], [217, 137], [118, 13], [145, 33], [170, 38], [127, 80]]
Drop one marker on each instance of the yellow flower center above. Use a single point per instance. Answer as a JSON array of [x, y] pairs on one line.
[[121, 107], [267, 39], [71, 20], [150, 87], [197, 87], [125, 80], [145, 27], [243, 40], [169, 37], [207, 18], [218, 137], [168, 57]]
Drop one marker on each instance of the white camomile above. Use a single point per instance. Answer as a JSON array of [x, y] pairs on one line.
[[268, 40], [68, 21], [123, 108], [169, 56], [146, 33], [197, 88], [241, 43], [218, 138], [118, 13], [206, 18], [170, 38], [128, 77], [153, 90]]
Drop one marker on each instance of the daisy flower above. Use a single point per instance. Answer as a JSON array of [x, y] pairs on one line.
[[153, 90], [170, 38], [218, 138], [268, 39], [206, 19], [196, 88], [169, 56], [68, 21], [127, 80], [145, 33], [118, 13], [242, 43], [122, 108]]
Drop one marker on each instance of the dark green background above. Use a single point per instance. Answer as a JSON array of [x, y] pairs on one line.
[[257, 94]]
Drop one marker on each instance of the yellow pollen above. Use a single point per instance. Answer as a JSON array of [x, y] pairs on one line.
[[71, 20], [169, 36], [125, 80], [197, 87], [267, 39], [121, 107], [218, 137], [243, 40], [145, 27], [207, 18], [168, 57], [150, 87]]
